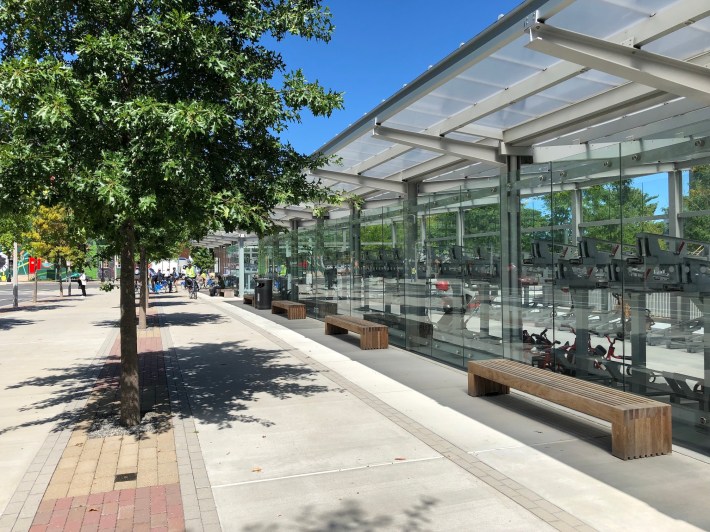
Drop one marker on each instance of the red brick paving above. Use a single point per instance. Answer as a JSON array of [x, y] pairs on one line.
[[154, 508]]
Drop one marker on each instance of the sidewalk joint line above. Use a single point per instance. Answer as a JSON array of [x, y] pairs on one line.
[[331, 471]]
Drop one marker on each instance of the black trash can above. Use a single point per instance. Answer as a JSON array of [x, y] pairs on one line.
[[263, 294]]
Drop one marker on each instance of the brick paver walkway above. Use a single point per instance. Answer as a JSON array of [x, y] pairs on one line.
[[126, 482]]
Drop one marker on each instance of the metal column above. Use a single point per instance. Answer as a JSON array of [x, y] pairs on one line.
[[242, 267], [510, 258]]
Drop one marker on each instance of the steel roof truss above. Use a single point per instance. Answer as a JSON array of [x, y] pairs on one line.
[[654, 70], [457, 148], [371, 182]]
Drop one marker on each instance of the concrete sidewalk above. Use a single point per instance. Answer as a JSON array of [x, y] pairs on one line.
[[267, 424]]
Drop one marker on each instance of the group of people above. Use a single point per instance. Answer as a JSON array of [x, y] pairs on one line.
[[158, 277], [190, 274]]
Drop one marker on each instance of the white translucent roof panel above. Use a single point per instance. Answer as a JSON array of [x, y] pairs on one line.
[[468, 90], [602, 18], [440, 106], [362, 149], [505, 118], [456, 135], [684, 43], [410, 120], [401, 163], [505, 72]]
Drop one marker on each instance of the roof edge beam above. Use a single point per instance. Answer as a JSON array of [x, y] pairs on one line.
[[653, 70], [370, 182], [458, 148]]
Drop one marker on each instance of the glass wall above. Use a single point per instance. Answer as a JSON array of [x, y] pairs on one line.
[[596, 266]]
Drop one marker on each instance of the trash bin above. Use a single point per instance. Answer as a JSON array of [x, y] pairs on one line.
[[263, 294]]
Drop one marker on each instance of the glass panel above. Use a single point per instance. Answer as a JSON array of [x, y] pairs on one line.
[[481, 254]]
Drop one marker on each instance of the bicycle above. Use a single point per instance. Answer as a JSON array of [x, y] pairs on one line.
[[192, 287]]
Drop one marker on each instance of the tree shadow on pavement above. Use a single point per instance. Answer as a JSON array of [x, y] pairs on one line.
[[28, 308], [71, 384], [225, 380], [351, 516], [192, 319], [8, 323]]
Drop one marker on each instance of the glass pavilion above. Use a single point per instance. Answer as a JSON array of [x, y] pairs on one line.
[[549, 181]]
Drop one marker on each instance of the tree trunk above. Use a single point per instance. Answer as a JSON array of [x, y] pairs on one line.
[[130, 389], [143, 311], [68, 280]]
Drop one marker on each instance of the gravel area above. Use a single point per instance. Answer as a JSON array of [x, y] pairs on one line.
[[105, 425]]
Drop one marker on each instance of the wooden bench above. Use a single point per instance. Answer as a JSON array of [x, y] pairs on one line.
[[226, 292], [248, 299], [372, 335], [639, 426], [292, 309]]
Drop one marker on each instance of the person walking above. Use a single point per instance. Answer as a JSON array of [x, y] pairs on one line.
[[82, 284]]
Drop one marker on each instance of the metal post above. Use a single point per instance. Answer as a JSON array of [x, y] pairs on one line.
[[510, 256], [356, 278], [242, 277], [459, 226], [292, 272], [577, 215], [638, 339], [15, 281], [415, 291], [680, 306]]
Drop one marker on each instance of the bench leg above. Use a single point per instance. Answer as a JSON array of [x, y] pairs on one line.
[[374, 339], [478, 386], [296, 314], [642, 433], [334, 329]]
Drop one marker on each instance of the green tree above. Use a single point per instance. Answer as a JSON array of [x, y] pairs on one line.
[[203, 258], [55, 236], [135, 112], [698, 199], [619, 201], [12, 227]]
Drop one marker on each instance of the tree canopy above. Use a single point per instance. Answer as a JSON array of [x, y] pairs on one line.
[[698, 199], [140, 110], [146, 115]]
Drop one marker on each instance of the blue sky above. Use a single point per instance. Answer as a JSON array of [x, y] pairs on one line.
[[377, 47]]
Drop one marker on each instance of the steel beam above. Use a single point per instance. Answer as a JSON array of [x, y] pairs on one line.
[[457, 148], [370, 182], [611, 104], [672, 18], [653, 70]]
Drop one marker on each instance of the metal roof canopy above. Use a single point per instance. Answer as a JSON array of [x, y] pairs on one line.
[[555, 73]]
